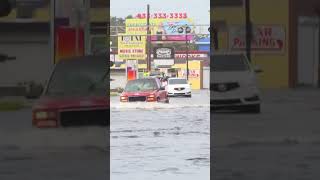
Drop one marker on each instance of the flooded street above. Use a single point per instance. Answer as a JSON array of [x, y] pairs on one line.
[[161, 141]]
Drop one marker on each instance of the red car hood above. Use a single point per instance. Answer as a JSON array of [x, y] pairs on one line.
[[138, 93], [71, 102]]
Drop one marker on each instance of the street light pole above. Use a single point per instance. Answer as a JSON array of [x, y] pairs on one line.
[[187, 30], [148, 39], [52, 30], [248, 30]]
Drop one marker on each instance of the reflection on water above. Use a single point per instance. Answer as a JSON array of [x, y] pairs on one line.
[[154, 141]]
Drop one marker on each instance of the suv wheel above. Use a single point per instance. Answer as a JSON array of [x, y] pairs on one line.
[[167, 100]]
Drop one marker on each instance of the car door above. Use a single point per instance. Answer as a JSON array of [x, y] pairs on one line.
[[162, 93]]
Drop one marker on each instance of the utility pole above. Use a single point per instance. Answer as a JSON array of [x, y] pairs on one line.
[[317, 11], [52, 30], [148, 40], [187, 53], [87, 27], [248, 30]]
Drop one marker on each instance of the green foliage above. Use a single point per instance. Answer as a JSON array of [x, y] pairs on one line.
[[11, 105]]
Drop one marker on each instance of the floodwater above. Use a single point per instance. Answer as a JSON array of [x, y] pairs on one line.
[[161, 141]]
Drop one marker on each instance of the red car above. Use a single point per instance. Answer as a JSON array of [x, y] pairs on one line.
[[145, 90], [76, 94]]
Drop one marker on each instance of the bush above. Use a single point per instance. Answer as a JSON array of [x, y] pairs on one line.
[[11, 106]]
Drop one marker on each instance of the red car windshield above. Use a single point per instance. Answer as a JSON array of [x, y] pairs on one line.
[[74, 78], [141, 85]]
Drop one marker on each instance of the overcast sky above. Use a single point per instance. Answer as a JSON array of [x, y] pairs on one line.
[[196, 9]]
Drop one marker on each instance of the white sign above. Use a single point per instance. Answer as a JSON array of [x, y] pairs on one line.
[[163, 62], [115, 58], [191, 56], [163, 53], [266, 38]]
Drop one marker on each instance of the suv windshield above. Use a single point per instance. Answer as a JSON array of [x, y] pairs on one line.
[[78, 77], [141, 85], [229, 63], [178, 81]]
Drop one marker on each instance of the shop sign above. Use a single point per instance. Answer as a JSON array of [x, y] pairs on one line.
[[163, 56], [131, 47], [191, 56], [193, 73], [166, 28], [266, 39]]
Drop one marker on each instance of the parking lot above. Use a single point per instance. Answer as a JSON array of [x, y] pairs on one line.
[[280, 143]]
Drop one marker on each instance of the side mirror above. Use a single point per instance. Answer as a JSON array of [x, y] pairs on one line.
[[5, 8], [257, 69], [34, 91]]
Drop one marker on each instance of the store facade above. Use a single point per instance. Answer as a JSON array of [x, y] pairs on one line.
[[286, 39], [27, 29], [270, 33]]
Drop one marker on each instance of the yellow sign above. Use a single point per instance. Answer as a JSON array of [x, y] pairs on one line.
[[195, 73], [131, 47], [167, 27]]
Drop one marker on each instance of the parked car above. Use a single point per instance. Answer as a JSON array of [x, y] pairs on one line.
[[233, 83], [75, 94], [178, 87], [144, 90]]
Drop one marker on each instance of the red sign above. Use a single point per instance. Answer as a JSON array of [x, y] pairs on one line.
[[66, 43], [163, 15], [265, 38]]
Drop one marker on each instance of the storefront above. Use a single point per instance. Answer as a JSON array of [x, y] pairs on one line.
[[286, 39], [304, 43], [27, 30], [270, 37]]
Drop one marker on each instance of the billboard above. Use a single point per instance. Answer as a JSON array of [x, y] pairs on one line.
[[131, 47], [167, 29]]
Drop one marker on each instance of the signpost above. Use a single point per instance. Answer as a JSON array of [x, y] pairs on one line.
[[163, 56], [131, 47]]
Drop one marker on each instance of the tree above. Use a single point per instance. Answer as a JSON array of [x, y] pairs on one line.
[[117, 26], [5, 8], [129, 17]]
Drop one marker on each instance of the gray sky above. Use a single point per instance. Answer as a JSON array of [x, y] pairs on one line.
[[196, 9]]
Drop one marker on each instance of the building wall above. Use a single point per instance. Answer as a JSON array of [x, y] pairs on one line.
[[32, 52], [271, 12], [298, 8]]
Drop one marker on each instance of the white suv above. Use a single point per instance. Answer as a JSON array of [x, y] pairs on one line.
[[233, 83], [178, 87]]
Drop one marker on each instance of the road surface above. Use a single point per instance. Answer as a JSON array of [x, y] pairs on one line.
[[161, 141]]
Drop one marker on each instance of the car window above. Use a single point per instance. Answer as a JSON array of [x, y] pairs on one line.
[[229, 63], [141, 85], [78, 78], [178, 81]]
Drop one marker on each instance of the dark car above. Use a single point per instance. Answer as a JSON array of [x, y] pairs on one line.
[[146, 90], [76, 94]]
